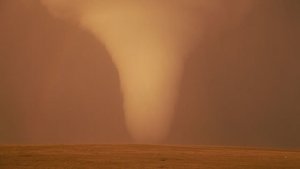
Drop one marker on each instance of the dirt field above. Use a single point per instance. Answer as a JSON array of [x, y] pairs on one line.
[[144, 157]]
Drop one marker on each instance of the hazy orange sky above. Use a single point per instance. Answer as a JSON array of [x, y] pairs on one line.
[[241, 85]]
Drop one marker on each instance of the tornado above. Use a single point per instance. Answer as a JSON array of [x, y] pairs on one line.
[[148, 42], [144, 43]]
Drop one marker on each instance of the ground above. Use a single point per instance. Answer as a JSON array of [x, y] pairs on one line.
[[145, 157]]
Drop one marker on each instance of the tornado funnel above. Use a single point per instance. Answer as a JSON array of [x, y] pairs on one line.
[[145, 44]]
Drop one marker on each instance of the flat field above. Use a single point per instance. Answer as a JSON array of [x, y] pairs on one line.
[[145, 157]]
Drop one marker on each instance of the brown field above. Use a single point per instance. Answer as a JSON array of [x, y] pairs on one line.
[[145, 157]]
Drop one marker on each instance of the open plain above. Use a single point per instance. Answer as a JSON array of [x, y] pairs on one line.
[[145, 157]]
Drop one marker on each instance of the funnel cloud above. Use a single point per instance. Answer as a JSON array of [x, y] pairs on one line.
[[148, 42]]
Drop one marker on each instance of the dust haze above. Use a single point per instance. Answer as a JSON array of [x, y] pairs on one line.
[[193, 72]]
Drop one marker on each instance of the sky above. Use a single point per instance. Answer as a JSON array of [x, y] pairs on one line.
[[240, 84]]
